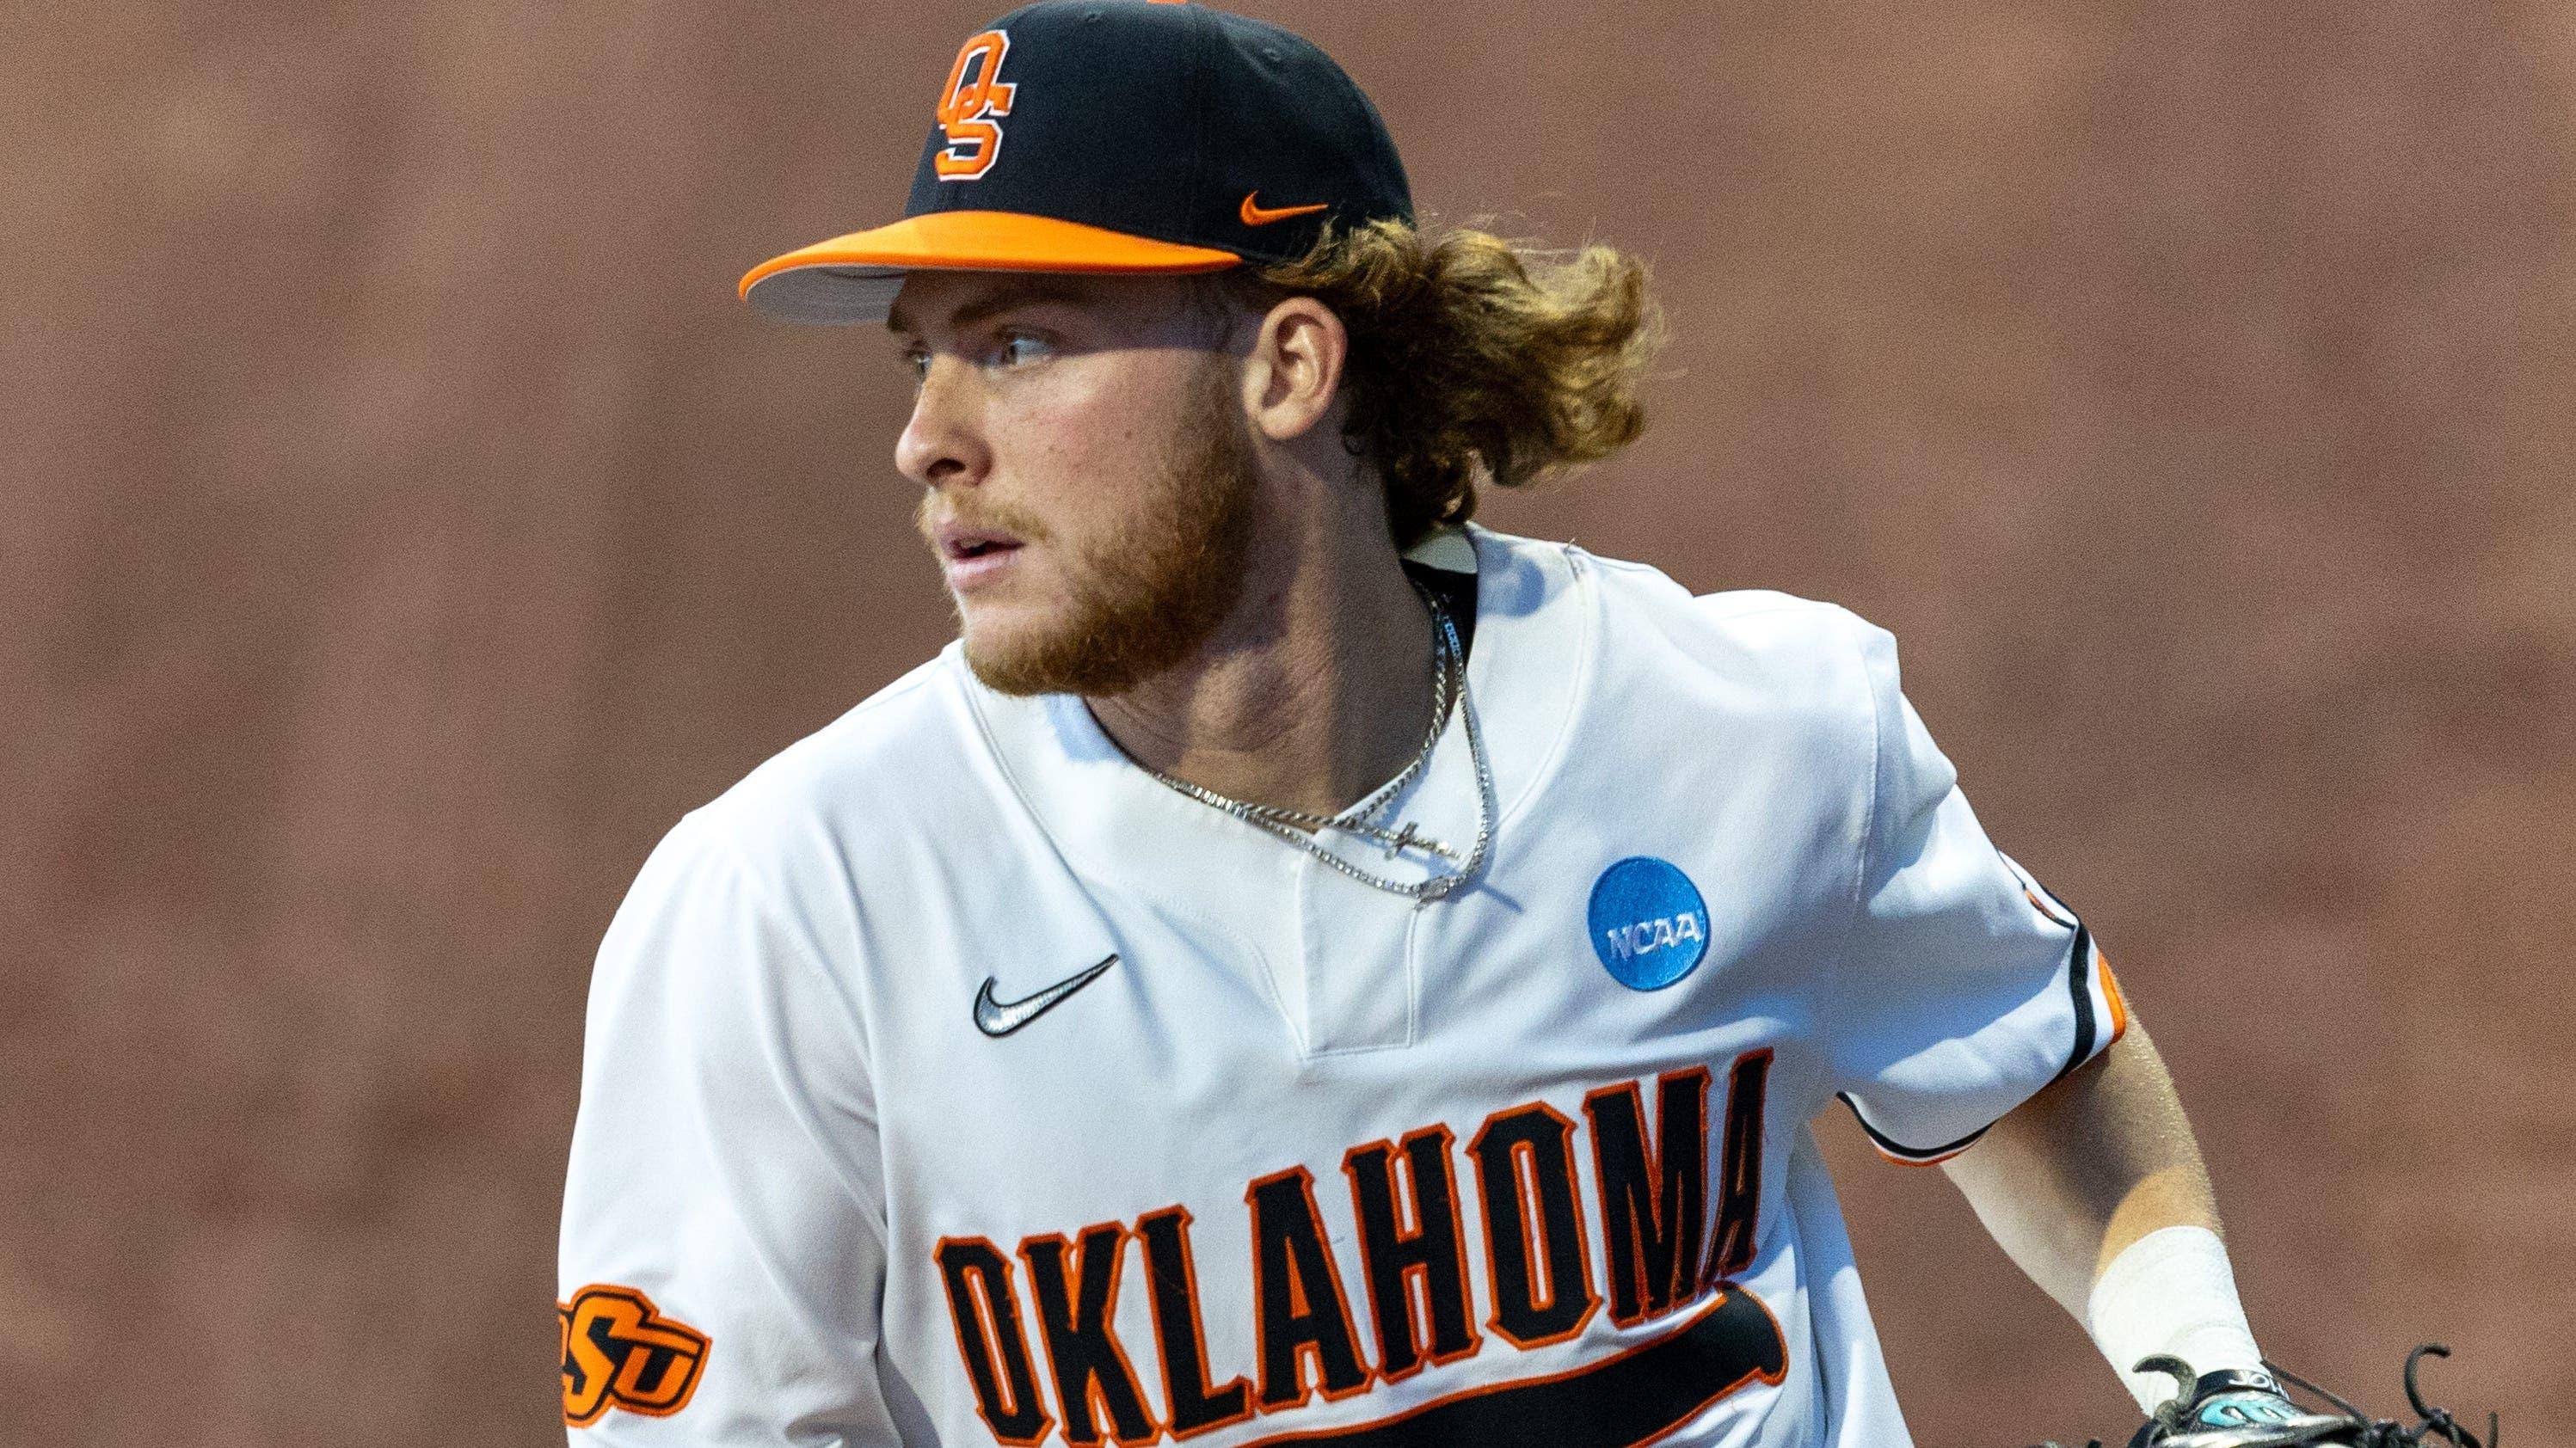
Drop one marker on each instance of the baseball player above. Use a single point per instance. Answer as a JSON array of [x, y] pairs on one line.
[[1303, 968]]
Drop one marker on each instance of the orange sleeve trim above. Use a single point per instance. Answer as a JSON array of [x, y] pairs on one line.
[[2111, 993]]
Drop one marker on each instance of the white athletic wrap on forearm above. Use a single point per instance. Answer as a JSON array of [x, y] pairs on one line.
[[2170, 1292]]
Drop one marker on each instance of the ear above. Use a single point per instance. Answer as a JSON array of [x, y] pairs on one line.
[[1294, 372]]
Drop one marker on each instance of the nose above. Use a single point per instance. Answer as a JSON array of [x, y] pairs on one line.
[[940, 443]]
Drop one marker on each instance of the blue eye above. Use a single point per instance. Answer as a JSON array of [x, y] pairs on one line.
[[916, 360], [1018, 349]]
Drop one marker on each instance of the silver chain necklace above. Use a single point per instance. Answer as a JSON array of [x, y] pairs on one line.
[[1299, 827]]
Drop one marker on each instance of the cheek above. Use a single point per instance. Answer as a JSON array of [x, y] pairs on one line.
[[1089, 458]]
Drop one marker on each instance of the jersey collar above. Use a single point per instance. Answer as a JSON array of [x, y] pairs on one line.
[[1116, 824]]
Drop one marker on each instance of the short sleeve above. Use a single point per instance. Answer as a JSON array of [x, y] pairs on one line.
[[1966, 987], [722, 1259]]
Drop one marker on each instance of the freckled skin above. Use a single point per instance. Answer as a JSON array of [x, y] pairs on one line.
[[1088, 419]]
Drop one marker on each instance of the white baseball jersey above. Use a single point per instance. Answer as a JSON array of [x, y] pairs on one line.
[[953, 1081]]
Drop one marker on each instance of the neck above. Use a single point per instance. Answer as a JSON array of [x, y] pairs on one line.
[[1315, 690]]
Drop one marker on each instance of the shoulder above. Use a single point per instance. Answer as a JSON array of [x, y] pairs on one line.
[[1752, 619], [766, 909], [801, 834], [1788, 650], [893, 757]]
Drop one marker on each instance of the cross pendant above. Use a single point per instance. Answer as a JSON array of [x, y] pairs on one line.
[[1409, 838]]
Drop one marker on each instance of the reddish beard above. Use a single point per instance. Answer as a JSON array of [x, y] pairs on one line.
[[1147, 596]]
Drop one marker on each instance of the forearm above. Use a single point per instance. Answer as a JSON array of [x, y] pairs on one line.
[[2096, 1189], [2087, 1167]]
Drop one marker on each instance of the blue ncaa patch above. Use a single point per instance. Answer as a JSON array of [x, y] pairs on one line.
[[1649, 925]]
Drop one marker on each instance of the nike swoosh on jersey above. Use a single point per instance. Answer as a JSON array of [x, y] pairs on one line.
[[998, 1018], [1256, 214]]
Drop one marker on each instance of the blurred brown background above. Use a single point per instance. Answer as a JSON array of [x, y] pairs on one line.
[[401, 525]]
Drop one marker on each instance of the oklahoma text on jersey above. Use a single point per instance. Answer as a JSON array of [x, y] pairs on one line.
[[1666, 1250]]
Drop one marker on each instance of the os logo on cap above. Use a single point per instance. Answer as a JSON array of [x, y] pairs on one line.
[[1649, 925], [968, 108]]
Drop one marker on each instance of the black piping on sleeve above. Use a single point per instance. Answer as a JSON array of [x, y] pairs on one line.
[[2079, 980]]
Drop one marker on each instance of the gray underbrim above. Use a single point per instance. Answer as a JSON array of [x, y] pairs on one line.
[[826, 295]]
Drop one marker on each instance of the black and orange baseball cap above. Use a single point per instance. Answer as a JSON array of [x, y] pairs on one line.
[[1123, 136]]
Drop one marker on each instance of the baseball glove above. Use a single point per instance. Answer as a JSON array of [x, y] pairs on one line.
[[2252, 1410]]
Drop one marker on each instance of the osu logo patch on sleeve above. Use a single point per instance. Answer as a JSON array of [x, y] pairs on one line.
[[619, 1351]]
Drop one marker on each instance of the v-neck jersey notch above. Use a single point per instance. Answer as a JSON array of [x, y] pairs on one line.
[[1341, 961]]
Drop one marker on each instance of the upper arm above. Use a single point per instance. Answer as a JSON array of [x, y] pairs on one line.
[[723, 1197], [1965, 987]]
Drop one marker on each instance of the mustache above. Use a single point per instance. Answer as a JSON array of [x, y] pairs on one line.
[[934, 511]]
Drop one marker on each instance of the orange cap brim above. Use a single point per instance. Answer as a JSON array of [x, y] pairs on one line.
[[854, 278]]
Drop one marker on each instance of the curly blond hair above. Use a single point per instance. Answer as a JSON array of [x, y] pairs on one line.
[[1475, 358]]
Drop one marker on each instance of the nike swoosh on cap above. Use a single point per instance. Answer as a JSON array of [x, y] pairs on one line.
[[1256, 214], [998, 1018]]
